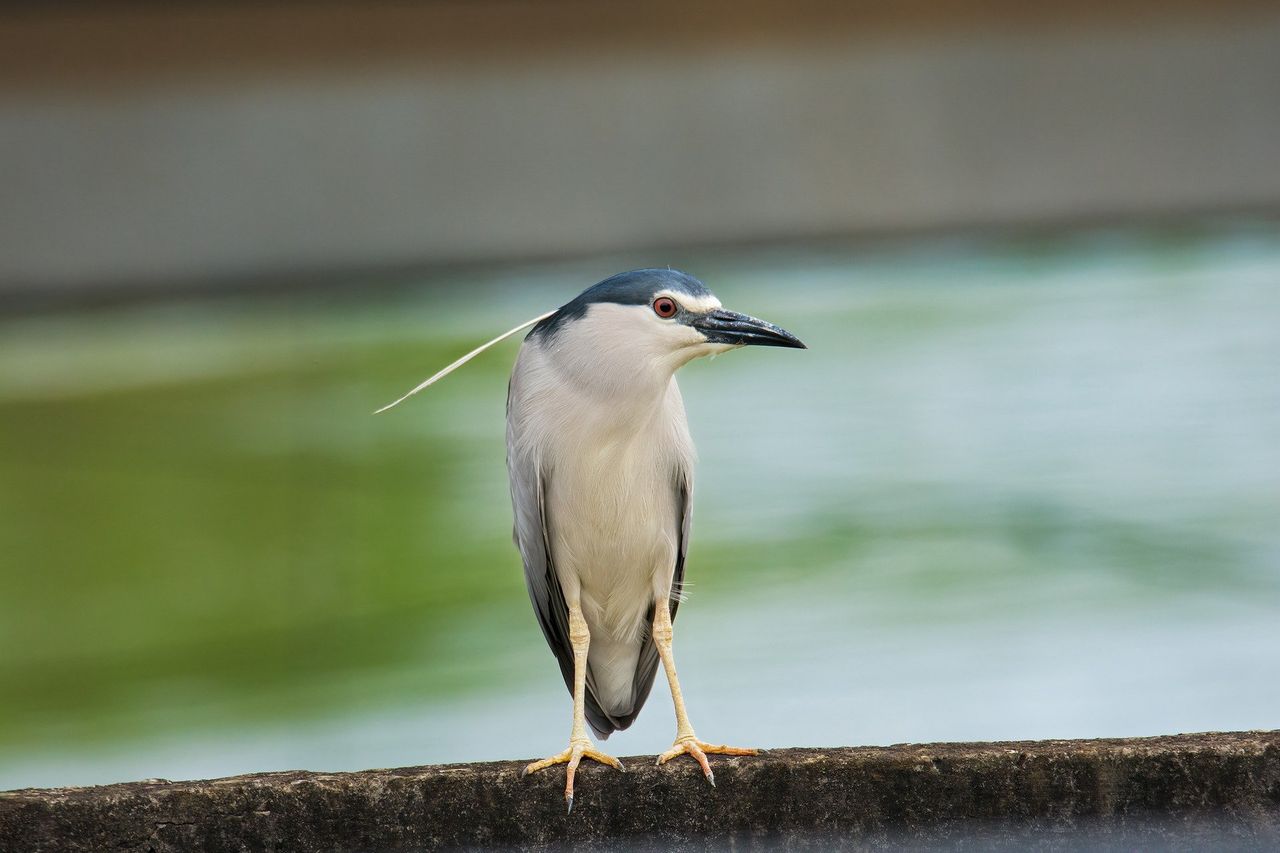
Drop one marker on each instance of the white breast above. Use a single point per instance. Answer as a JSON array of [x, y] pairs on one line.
[[613, 459], [615, 524]]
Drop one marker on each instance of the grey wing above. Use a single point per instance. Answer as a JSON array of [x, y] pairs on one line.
[[530, 535], [647, 665]]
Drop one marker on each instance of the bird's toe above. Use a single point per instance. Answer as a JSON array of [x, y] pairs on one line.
[[698, 751]]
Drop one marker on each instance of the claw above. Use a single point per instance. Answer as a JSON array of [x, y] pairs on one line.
[[697, 750], [578, 750]]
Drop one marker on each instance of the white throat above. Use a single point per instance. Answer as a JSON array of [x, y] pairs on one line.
[[622, 353]]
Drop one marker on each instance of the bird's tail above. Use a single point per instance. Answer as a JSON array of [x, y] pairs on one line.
[[618, 683]]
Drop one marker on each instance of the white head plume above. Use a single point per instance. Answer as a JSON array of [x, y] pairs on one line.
[[475, 352]]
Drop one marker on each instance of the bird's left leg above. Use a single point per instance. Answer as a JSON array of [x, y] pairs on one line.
[[686, 741], [579, 746]]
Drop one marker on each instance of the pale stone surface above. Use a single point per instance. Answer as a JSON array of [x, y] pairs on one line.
[[226, 170]]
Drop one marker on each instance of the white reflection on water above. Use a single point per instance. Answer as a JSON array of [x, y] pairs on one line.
[[807, 670]]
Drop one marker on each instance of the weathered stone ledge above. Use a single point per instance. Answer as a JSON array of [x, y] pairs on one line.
[[1171, 792]]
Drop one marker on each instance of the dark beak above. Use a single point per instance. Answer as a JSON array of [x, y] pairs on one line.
[[730, 327]]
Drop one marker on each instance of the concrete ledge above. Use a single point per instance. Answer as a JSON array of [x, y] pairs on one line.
[[1173, 791]]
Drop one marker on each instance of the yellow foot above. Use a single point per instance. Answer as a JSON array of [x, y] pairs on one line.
[[696, 748], [578, 750]]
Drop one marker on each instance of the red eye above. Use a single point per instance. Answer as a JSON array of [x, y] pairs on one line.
[[664, 306]]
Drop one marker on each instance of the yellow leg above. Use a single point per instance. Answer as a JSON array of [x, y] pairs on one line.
[[686, 741], [579, 746]]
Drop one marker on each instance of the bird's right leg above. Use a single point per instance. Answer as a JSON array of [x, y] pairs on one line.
[[687, 742], [579, 746]]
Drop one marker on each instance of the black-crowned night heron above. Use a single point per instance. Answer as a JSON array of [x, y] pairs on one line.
[[601, 468]]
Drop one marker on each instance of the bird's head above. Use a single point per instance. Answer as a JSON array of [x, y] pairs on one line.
[[638, 326], [652, 318]]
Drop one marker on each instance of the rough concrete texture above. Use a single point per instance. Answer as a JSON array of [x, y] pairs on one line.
[[1178, 792]]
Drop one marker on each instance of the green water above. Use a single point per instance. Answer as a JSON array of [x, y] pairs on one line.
[[1016, 488]]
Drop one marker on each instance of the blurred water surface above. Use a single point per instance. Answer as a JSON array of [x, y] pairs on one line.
[[1017, 488]]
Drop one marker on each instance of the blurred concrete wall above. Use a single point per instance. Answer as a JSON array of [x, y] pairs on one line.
[[157, 146]]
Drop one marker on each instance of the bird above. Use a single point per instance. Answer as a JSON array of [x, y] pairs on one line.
[[601, 462]]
